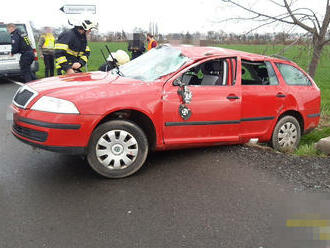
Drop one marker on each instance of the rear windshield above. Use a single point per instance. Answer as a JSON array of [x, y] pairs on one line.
[[5, 37]]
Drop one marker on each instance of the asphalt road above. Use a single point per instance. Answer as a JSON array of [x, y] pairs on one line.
[[208, 197]]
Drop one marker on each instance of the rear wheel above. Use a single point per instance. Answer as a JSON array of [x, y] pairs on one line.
[[117, 149], [286, 134]]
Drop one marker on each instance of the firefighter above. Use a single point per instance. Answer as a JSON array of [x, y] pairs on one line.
[[20, 43], [71, 49], [46, 46], [151, 41]]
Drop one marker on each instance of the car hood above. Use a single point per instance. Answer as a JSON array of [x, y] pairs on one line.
[[92, 88], [77, 83], [79, 80]]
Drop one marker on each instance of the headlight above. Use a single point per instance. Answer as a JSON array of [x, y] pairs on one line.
[[55, 105]]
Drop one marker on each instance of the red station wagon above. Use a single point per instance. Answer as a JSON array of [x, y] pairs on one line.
[[169, 98]]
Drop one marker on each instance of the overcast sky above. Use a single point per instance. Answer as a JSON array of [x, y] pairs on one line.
[[170, 15]]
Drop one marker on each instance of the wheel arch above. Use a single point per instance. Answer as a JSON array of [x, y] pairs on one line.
[[296, 115], [139, 118]]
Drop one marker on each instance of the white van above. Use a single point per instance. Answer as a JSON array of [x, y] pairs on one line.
[[9, 65]]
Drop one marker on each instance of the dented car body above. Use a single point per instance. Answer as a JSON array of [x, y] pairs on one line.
[[172, 97]]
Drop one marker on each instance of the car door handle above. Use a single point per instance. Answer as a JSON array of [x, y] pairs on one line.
[[280, 95], [231, 97]]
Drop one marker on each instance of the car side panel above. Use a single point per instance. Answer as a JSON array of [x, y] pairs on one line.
[[304, 99]]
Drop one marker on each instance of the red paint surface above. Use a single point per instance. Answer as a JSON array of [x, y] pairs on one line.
[[98, 94]]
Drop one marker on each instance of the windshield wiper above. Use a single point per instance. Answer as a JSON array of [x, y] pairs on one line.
[[115, 63]]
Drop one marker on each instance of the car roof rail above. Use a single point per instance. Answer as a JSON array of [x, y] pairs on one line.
[[280, 57]]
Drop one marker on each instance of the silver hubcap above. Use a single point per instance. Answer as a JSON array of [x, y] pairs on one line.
[[116, 149], [287, 136]]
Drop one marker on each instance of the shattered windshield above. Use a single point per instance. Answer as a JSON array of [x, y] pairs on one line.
[[154, 64]]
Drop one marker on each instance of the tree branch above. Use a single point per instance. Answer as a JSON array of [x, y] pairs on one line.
[[257, 13], [296, 21], [325, 42], [255, 28]]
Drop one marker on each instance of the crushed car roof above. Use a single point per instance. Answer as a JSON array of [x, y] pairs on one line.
[[196, 52]]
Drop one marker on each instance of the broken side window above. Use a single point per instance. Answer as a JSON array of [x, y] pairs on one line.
[[258, 73]]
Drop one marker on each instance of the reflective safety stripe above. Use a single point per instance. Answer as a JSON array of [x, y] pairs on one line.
[[69, 51], [61, 46], [84, 58], [27, 41], [61, 60], [87, 49]]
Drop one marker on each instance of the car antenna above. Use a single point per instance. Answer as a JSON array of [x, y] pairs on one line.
[[115, 63], [106, 61]]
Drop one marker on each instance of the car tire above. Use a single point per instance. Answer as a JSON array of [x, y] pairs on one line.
[[286, 135], [117, 149]]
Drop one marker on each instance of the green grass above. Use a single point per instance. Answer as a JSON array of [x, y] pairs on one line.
[[299, 54], [308, 150]]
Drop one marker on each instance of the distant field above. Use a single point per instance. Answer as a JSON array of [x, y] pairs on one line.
[[298, 54]]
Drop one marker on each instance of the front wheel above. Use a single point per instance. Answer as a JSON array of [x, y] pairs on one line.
[[117, 149], [286, 135]]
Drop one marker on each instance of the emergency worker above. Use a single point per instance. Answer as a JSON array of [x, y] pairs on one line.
[[20, 43], [152, 43], [46, 46], [71, 49]]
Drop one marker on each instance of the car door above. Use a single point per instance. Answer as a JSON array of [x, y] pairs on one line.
[[215, 108], [262, 98]]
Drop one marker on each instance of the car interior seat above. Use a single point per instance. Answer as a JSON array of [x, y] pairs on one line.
[[211, 71], [263, 75], [190, 77]]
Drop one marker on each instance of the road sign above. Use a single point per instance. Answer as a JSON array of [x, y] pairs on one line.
[[78, 9]]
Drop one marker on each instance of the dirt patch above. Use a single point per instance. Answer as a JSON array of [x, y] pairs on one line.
[[324, 121], [310, 174]]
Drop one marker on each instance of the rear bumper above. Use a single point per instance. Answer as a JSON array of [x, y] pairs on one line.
[[311, 122], [13, 69]]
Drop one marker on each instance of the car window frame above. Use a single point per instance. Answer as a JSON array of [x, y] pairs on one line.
[[267, 64], [199, 62]]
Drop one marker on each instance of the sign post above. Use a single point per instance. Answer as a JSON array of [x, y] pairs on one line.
[[78, 9]]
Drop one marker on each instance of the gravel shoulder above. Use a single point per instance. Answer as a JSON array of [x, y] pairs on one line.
[[306, 174]]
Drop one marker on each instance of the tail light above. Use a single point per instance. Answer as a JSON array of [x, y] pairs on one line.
[[35, 55]]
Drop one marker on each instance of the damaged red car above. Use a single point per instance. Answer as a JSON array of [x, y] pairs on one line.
[[172, 97]]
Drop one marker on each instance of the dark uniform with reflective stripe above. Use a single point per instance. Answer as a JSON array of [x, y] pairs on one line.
[[70, 47], [20, 43]]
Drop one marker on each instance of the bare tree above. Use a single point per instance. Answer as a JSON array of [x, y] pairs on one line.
[[305, 18]]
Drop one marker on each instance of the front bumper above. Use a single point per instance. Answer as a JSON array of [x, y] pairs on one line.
[[65, 133], [61, 149]]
